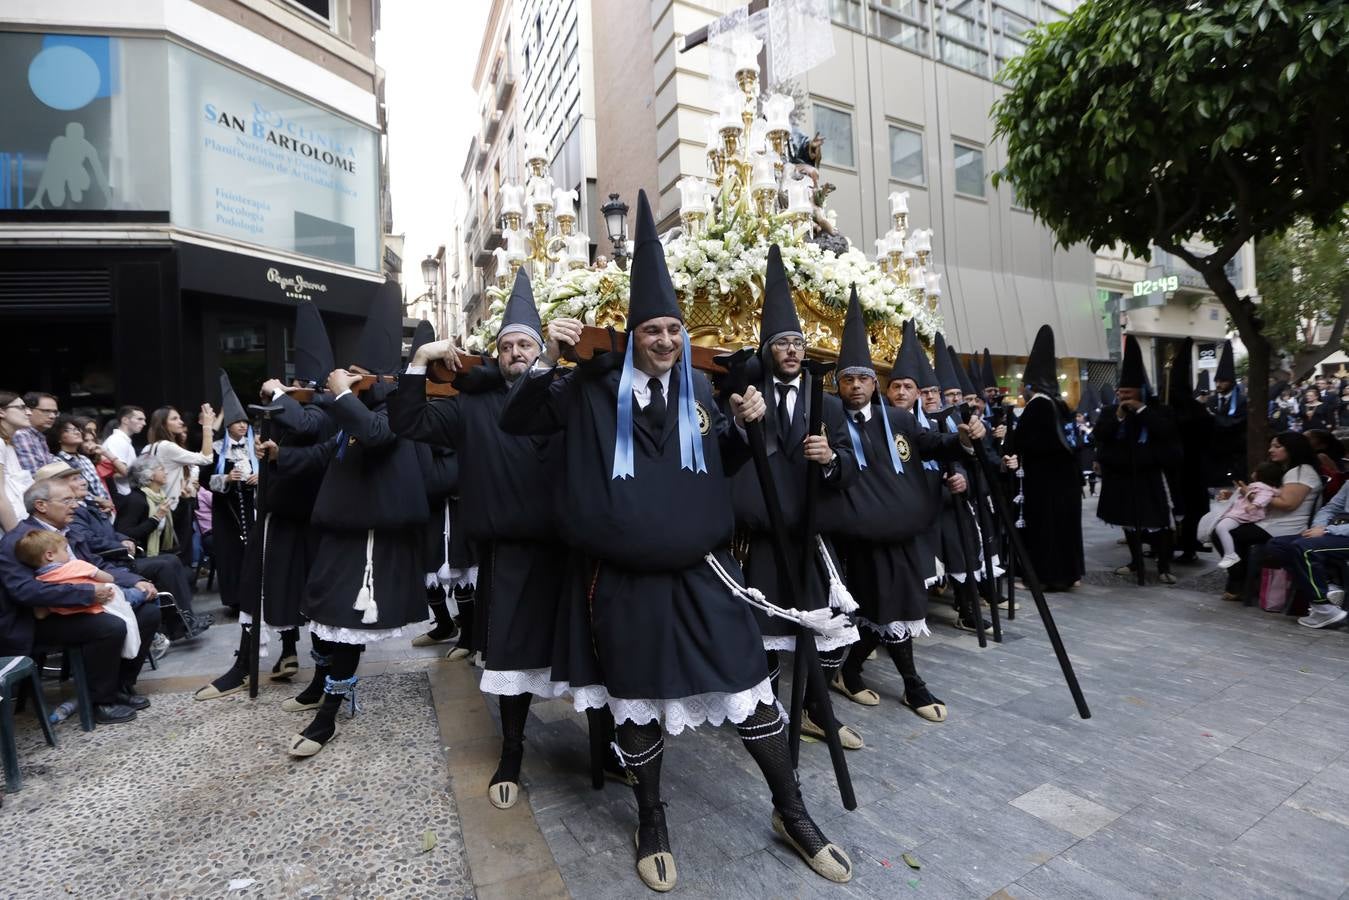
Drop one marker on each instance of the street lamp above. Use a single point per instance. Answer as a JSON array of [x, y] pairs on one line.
[[616, 223], [431, 277]]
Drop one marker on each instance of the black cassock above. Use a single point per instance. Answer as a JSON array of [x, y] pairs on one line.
[[884, 525], [370, 516], [1227, 447], [1189, 477], [1051, 489], [1134, 454], [790, 467], [651, 628], [506, 486], [232, 523], [282, 546]]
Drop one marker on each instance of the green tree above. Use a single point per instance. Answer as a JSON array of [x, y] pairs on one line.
[[1304, 286], [1140, 123]]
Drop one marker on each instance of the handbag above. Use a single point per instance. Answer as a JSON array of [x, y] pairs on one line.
[[1273, 590]]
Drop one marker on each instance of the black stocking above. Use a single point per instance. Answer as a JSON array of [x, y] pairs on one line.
[[915, 690], [764, 735], [444, 626], [1162, 542], [289, 638], [237, 673], [464, 596], [867, 641], [641, 748], [1135, 542], [319, 653], [774, 669], [514, 713], [600, 723], [340, 684], [830, 661]]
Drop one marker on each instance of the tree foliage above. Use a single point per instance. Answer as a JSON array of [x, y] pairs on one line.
[[1304, 291], [1140, 123]]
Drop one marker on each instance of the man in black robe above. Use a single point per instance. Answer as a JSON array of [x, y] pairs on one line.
[[791, 450], [1051, 488], [1188, 479], [233, 493], [282, 547], [1135, 444], [506, 483], [1228, 405], [876, 522], [664, 632], [366, 582]]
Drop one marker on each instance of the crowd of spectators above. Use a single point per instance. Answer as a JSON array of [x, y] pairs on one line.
[[119, 582], [1321, 403]]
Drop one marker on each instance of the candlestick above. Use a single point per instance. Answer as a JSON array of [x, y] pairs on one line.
[[777, 110], [745, 48], [899, 203]]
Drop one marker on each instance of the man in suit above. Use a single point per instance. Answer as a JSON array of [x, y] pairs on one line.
[[51, 505]]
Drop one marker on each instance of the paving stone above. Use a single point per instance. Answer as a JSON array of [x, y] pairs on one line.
[[1064, 810]]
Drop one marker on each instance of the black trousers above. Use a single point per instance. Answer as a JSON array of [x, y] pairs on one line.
[[1243, 578], [148, 618], [167, 573], [183, 515]]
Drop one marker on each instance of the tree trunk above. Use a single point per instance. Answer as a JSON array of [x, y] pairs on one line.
[[1258, 350]]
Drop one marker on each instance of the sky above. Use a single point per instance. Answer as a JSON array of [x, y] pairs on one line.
[[428, 50]]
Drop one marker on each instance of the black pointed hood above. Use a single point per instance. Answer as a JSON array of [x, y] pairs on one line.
[[1108, 394], [1088, 403], [969, 377], [424, 334], [1041, 371], [912, 362], [779, 310], [1227, 367], [1179, 380], [1202, 386], [854, 350], [651, 293], [987, 379], [380, 347], [1132, 374], [966, 382], [231, 408], [947, 377], [313, 351], [521, 314]]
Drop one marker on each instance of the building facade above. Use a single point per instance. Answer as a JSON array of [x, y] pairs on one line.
[[534, 75], [174, 176]]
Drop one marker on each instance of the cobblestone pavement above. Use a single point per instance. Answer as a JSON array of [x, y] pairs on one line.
[[200, 800], [1214, 766]]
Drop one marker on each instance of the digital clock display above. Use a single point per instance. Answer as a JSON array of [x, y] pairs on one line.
[[1160, 285]]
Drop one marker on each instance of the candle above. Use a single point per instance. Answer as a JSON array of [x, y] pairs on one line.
[[540, 191], [503, 265], [713, 138], [777, 110], [899, 203], [745, 47], [578, 248], [917, 280], [799, 198], [515, 246], [563, 203], [758, 136], [882, 247], [731, 106], [536, 146], [934, 284], [765, 176], [511, 195], [923, 241], [692, 195]]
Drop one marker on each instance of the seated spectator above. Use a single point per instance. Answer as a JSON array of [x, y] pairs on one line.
[[16, 479], [1308, 557], [120, 451], [146, 523], [168, 444], [1330, 460], [67, 442], [30, 443], [1289, 513], [47, 553], [50, 505]]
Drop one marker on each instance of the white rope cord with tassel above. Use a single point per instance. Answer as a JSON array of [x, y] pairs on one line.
[[365, 597], [840, 598], [821, 621]]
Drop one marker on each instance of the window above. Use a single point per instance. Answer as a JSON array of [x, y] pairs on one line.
[[906, 155], [847, 13], [835, 127], [901, 22], [969, 170], [317, 7], [962, 33]]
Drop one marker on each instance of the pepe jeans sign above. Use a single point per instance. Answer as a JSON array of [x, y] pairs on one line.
[[295, 287]]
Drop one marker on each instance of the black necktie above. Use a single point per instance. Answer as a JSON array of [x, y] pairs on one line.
[[655, 410], [784, 414], [861, 421]]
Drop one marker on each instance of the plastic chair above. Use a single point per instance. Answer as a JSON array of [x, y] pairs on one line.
[[15, 671]]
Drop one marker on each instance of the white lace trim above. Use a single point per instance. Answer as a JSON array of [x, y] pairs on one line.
[[357, 635], [998, 572], [524, 681], [681, 712], [822, 643], [900, 629], [453, 577]]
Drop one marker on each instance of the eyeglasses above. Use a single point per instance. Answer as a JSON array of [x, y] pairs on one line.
[[68, 501], [19, 405], [788, 344]]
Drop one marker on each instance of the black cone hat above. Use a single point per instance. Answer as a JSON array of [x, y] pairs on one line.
[[1202, 387], [424, 334], [912, 362], [1041, 371], [231, 409], [779, 312], [988, 379], [947, 377], [1132, 374], [1108, 394], [521, 314], [1178, 386], [313, 351], [854, 350], [1087, 403], [966, 382], [380, 346], [652, 293], [1227, 369]]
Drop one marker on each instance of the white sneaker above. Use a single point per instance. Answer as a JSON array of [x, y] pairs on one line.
[[1335, 594], [1229, 561], [1323, 614]]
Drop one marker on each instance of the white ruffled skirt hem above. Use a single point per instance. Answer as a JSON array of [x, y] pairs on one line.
[[901, 630], [358, 635], [822, 643], [510, 683], [679, 713]]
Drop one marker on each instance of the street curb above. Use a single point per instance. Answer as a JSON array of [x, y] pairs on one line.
[[506, 852]]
